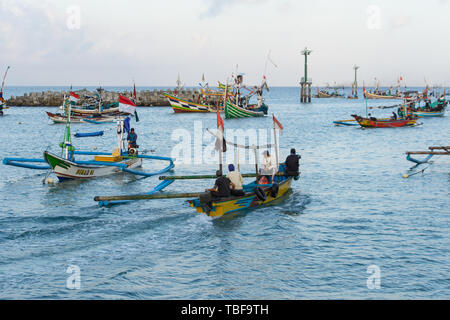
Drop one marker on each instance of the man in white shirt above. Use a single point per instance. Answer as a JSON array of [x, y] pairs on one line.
[[269, 166], [236, 181]]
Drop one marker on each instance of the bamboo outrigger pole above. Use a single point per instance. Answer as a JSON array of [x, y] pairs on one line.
[[148, 197]]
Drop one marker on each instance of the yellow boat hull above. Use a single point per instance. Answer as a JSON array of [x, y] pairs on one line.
[[249, 201]]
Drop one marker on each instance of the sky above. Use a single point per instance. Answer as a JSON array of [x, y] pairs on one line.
[[112, 43]]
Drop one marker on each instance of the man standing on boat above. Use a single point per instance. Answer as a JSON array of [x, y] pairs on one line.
[[132, 139], [236, 180]]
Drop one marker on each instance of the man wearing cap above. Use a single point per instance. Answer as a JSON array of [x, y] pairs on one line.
[[222, 186], [236, 181]]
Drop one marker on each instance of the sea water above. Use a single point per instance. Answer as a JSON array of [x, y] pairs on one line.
[[351, 228]]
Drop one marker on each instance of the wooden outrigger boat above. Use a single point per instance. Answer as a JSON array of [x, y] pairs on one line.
[[97, 119], [66, 167], [384, 123], [239, 107], [2, 100], [323, 94], [183, 106], [369, 95], [232, 111], [435, 109], [255, 195]]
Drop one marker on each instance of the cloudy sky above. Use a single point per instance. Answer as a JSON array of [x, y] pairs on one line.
[[87, 42]]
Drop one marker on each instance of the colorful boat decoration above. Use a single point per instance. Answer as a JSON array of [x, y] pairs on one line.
[[2, 100], [183, 106], [66, 167], [384, 123], [232, 111]]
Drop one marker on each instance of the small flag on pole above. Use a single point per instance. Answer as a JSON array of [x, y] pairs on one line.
[[277, 124], [74, 98], [126, 105]]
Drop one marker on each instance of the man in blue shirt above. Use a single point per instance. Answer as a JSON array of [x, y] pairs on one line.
[[132, 139]]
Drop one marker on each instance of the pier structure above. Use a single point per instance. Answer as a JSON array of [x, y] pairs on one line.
[[145, 98], [355, 82], [305, 83]]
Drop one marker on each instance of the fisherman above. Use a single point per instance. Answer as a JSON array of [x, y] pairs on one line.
[[269, 166], [394, 116], [132, 139], [221, 187], [236, 181], [292, 164]]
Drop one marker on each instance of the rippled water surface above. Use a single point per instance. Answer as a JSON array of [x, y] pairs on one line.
[[351, 209]]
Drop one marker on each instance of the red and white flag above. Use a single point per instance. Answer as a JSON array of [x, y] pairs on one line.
[[221, 144], [277, 124], [74, 97], [126, 105]]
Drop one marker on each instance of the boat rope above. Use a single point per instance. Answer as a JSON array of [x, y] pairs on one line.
[[253, 147]]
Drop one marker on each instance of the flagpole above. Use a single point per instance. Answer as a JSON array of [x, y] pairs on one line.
[[222, 129], [276, 142]]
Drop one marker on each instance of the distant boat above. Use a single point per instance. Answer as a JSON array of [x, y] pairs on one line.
[[184, 106], [2, 100], [233, 111], [383, 123]]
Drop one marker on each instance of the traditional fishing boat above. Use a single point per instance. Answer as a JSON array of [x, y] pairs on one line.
[[232, 111], [238, 106], [369, 95], [384, 123], [351, 122], [66, 167], [324, 94], [2, 100], [254, 196], [96, 119], [183, 106], [434, 109]]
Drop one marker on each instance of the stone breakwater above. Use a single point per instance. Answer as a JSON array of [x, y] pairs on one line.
[[145, 98]]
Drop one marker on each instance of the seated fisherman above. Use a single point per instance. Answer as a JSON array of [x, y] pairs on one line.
[[221, 187], [269, 166], [292, 164], [132, 139], [394, 116], [236, 181]]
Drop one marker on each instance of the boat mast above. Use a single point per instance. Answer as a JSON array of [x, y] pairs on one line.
[[67, 139]]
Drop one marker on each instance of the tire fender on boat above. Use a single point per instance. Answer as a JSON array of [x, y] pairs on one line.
[[260, 194]]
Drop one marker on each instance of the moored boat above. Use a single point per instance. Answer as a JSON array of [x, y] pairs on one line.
[[233, 111], [369, 95], [384, 123], [183, 106]]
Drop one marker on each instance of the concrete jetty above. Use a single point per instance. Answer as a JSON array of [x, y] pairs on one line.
[[145, 98]]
